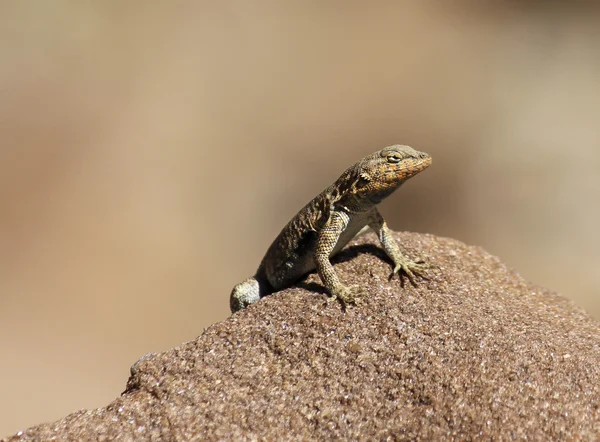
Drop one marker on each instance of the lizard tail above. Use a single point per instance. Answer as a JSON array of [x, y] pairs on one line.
[[245, 293]]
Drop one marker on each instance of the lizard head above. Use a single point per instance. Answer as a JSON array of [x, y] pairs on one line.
[[378, 175]]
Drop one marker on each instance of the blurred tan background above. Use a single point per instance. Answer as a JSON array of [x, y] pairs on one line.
[[150, 152]]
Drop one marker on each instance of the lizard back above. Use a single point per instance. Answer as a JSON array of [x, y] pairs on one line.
[[290, 256]]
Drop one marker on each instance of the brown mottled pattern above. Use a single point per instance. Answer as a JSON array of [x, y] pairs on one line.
[[326, 224]]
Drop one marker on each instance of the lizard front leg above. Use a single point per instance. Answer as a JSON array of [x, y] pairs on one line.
[[401, 262], [328, 237]]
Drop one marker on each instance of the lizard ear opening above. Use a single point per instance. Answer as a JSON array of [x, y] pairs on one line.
[[360, 181]]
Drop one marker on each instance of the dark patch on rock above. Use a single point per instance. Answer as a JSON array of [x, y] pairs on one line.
[[473, 352]]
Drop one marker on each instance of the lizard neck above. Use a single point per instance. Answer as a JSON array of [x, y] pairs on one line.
[[376, 198], [353, 204], [360, 203]]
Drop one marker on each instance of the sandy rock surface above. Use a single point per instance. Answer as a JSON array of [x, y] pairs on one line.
[[473, 352]]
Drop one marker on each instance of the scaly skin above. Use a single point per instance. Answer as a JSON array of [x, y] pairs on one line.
[[326, 224]]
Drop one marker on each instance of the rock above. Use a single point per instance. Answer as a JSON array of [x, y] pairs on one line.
[[473, 352]]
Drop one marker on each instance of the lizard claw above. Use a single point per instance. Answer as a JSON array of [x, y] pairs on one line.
[[411, 269], [347, 295]]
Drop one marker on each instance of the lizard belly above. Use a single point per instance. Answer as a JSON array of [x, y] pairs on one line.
[[353, 227]]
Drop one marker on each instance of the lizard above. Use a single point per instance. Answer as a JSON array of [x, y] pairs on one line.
[[328, 222]]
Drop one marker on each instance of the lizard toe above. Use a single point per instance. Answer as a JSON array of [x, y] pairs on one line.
[[348, 295]]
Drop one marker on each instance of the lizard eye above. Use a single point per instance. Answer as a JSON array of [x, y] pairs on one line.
[[394, 158]]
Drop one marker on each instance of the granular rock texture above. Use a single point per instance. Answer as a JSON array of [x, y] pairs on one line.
[[475, 352]]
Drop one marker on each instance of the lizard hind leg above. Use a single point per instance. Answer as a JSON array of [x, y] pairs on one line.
[[245, 293]]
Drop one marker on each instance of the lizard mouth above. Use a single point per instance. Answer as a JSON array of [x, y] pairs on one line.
[[424, 162], [411, 167]]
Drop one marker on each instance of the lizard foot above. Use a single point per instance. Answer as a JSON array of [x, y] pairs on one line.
[[347, 295], [411, 269]]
